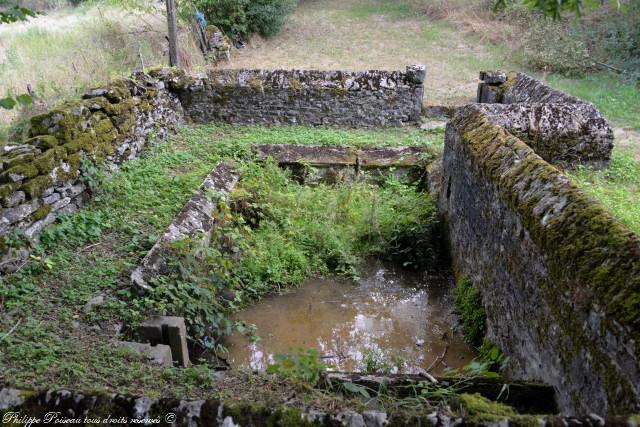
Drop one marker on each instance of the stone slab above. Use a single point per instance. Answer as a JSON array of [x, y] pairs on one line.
[[159, 355], [315, 155], [196, 218], [168, 330]]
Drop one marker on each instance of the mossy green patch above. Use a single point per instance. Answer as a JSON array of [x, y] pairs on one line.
[[468, 301], [26, 170], [36, 186], [45, 162], [42, 212], [18, 160], [8, 189], [43, 142], [479, 407], [105, 132]]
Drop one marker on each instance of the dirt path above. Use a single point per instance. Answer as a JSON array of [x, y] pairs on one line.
[[367, 34]]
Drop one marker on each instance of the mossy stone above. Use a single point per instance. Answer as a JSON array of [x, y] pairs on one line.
[[36, 186], [477, 405], [27, 170], [41, 213], [7, 190], [45, 162], [19, 160], [43, 142]]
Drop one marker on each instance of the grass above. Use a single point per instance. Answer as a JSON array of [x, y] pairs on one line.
[[617, 187], [62, 53], [618, 101], [370, 34], [58, 343]]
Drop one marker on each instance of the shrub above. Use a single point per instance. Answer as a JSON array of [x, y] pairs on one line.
[[468, 303], [229, 15], [240, 17], [605, 37], [267, 17], [555, 47]]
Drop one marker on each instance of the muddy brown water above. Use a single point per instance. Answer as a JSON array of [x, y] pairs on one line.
[[388, 311]]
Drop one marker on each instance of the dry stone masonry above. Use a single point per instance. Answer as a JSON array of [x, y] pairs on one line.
[[561, 128], [120, 409], [559, 275], [312, 164], [43, 176], [355, 99], [195, 220]]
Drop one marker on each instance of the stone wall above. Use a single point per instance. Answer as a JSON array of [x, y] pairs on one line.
[[41, 177], [561, 128], [18, 407], [559, 276], [355, 99]]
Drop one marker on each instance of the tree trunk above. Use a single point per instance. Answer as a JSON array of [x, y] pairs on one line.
[[174, 60]]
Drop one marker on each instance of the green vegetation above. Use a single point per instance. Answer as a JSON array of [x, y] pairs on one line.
[[476, 405], [616, 187], [618, 101], [469, 306], [282, 232], [395, 9], [59, 343], [302, 365], [240, 18], [62, 53], [378, 361]]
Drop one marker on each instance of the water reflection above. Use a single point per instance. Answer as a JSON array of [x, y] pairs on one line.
[[388, 311]]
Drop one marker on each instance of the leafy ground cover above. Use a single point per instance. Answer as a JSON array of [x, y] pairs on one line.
[[58, 340]]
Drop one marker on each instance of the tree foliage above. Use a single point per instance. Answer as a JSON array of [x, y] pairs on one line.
[[15, 14], [555, 8], [241, 17]]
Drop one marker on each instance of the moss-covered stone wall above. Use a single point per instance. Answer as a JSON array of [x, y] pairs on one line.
[[42, 176], [19, 407], [353, 99], [559, 275], [561, 128]]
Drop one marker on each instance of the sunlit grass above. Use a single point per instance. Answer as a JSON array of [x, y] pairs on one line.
[[618, 101], [617, 187], [60, 54]]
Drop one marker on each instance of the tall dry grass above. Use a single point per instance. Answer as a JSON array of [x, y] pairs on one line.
[[60, 54]]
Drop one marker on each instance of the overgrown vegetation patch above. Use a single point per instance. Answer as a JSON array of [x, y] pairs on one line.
[[58, 340]]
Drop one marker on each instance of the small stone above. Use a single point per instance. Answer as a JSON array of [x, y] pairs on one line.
[[93, 302], [60, 203], [18, 213], [159, 355], [374, 418], [94, 93], [420, 343], [10, 398], [14, 199], [51, 199], [493, 77]]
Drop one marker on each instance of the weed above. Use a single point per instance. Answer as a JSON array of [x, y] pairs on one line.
[[382, 362], [302, 365], [468, 303]]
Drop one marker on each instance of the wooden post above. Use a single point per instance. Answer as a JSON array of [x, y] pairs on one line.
[[174, 60]]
